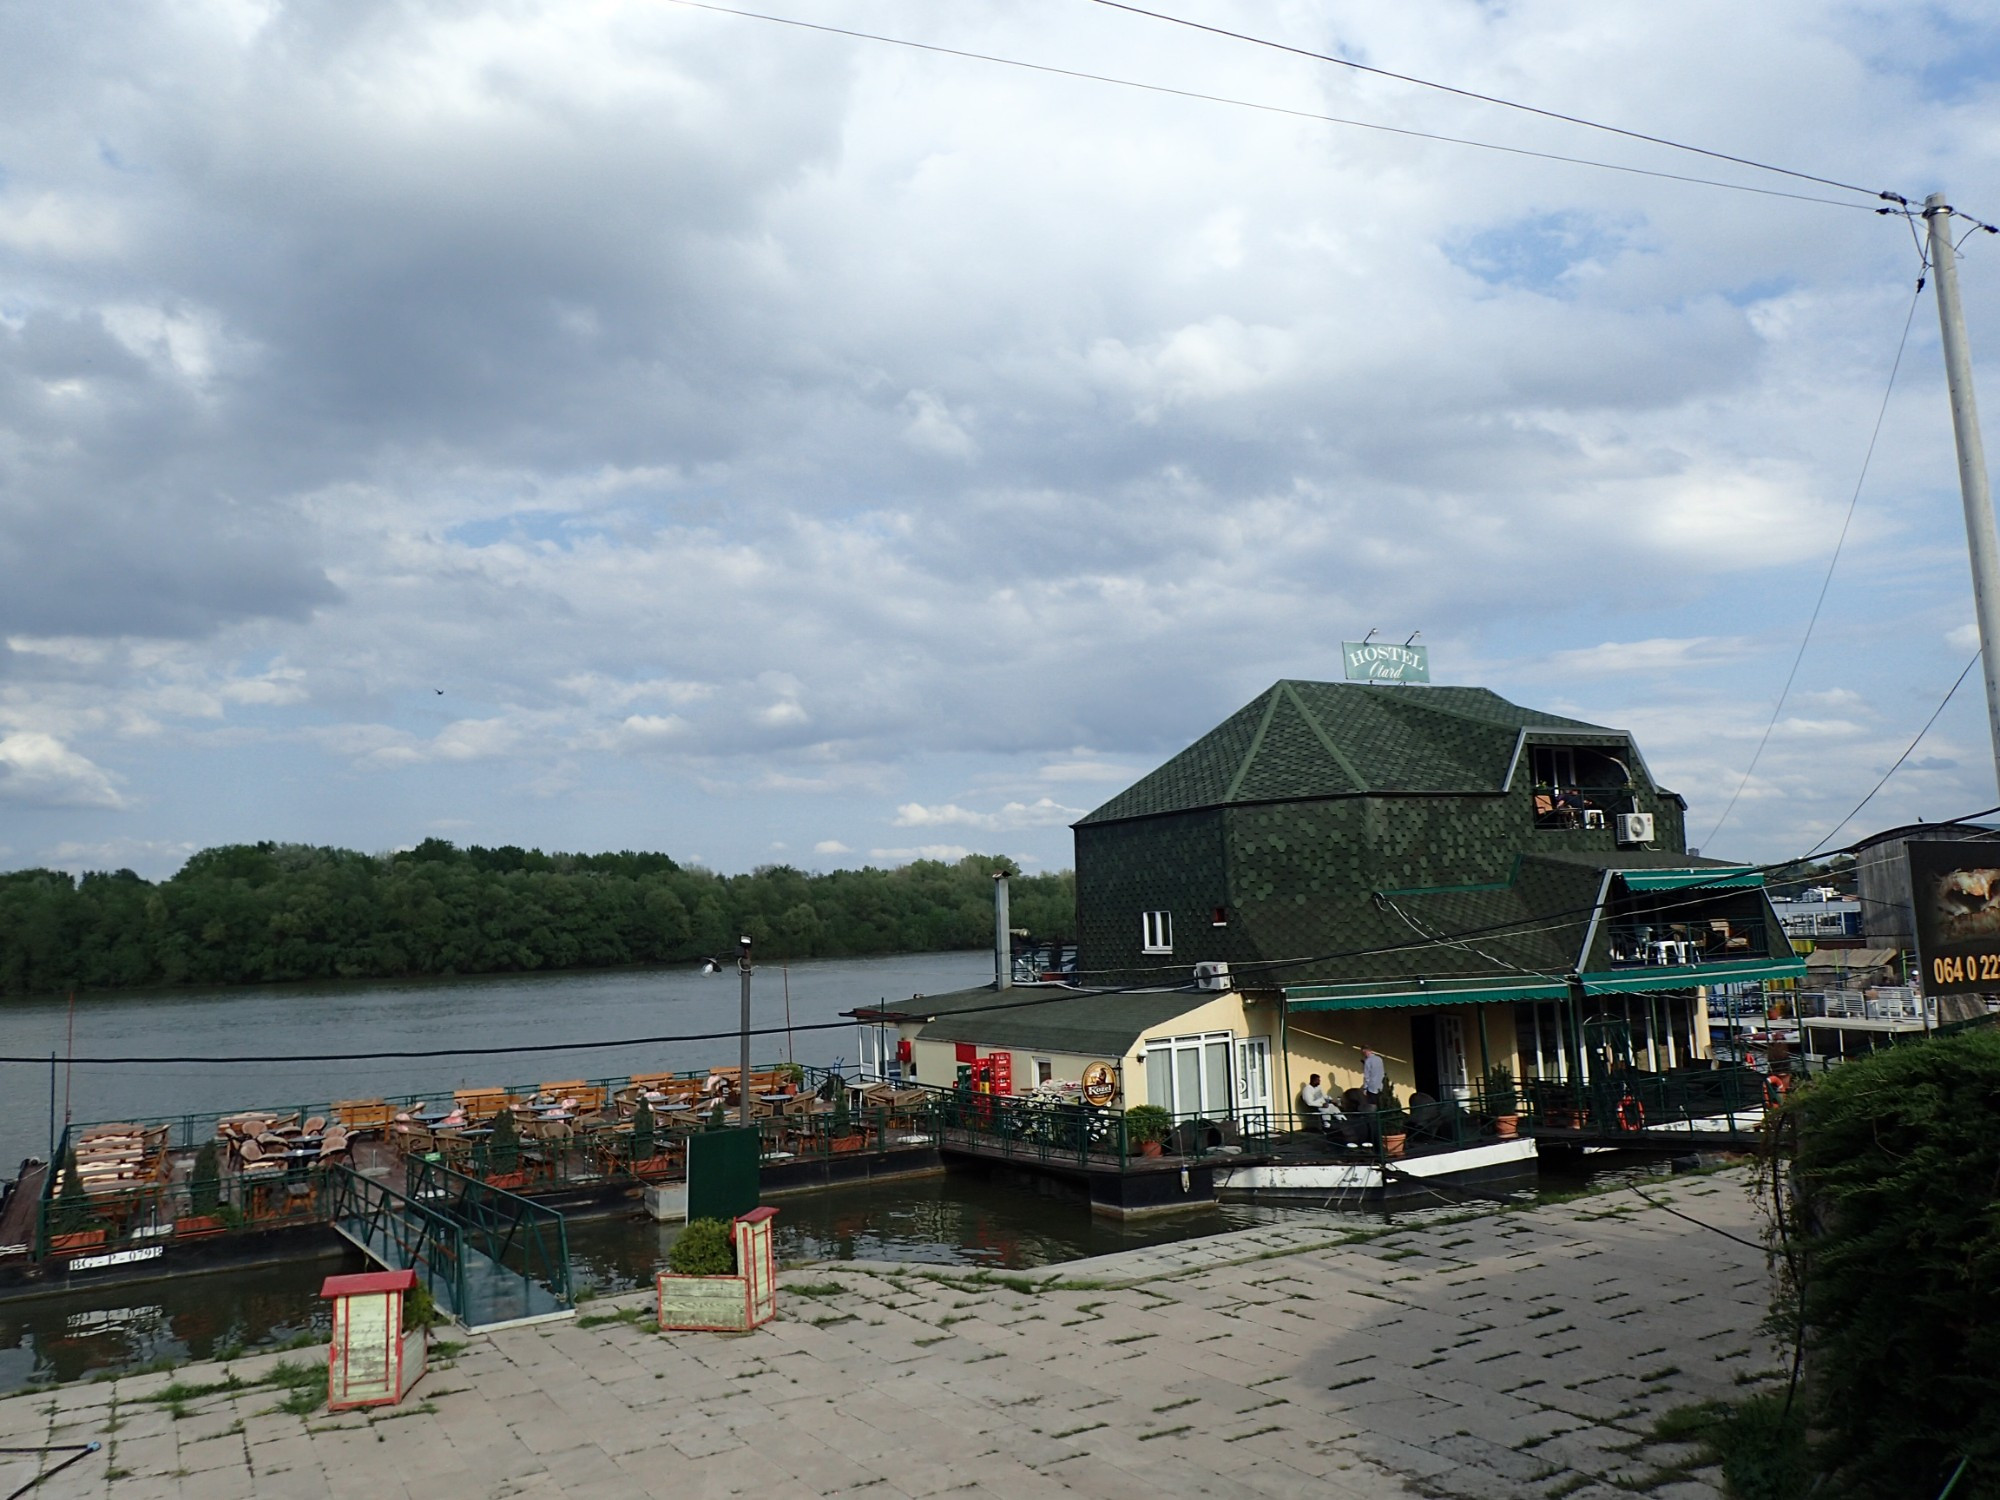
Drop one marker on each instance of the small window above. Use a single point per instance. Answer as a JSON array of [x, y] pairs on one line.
[[1220, 917], [1156, 931], [1045, 1071]]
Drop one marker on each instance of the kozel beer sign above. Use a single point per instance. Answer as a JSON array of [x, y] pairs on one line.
[[1379, 661]]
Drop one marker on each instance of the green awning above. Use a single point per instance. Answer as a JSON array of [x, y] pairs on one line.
[[1720, 878], [1687, 976], [1409, 995]]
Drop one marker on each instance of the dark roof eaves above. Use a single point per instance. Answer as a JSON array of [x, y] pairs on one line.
[[1093, 821]]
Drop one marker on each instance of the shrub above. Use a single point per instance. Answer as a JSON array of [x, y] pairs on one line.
[[503, 1147], [1389, 1112], [1895, 1270], [205, 1182], [1501, 1098], [1147, 1123], [706, 1247], [642, 1131]]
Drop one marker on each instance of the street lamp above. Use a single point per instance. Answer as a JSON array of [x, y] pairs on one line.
[[743, 1075]]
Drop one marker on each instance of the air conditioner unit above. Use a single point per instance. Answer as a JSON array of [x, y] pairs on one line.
[[1635, 828], [1211, 976]]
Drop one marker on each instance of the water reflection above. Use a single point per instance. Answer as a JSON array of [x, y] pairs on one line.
[[74, 1335]]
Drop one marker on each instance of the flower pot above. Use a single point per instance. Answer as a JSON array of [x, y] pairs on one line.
[[1506, 1126], [507, 1181], [196, 1226], [76, 1242], [1393, 1144], [1149, 1148], [848, 1142]]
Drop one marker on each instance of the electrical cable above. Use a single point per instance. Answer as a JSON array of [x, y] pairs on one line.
[[1831, 563], [1547, 114], [1908, 751], [77, 1453], [1273, 109], [1572, 916]]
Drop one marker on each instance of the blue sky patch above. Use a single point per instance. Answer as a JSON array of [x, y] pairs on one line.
[[1537, 253]]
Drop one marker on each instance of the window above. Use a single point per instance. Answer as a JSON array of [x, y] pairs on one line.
[[1189, 1075], [1045, 1071], [1156, 931], [1220, 917]]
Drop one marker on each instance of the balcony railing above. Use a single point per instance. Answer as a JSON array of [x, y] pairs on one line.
[[1591, 807], [1709, 940]]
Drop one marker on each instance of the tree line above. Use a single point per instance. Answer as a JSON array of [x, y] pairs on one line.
[[267, 912]]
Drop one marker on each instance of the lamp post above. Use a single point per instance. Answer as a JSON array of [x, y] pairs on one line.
[[743, 1076]]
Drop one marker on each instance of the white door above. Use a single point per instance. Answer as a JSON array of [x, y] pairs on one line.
[[1451, 1059], [1253, 1074]]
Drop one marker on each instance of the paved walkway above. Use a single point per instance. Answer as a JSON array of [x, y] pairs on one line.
[[1516, 1354]]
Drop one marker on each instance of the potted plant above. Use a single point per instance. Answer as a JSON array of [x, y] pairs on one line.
[[643, 1141], [794, 1075], [701, 1289], [1392, 1122], [72, 1225], [843, 1136], [1501, 1101], [204, 1198], [1147, 1126], [503, 1153]]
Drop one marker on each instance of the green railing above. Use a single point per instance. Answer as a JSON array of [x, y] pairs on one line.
[[1633, 1100], [528, 1238], [399, 1231]]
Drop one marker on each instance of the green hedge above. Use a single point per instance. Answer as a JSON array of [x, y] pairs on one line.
[[1896, 1173]]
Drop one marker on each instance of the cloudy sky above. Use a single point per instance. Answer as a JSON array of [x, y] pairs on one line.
[[625, 425]]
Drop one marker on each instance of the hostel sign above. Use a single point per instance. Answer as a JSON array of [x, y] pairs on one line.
[[1381, 661]]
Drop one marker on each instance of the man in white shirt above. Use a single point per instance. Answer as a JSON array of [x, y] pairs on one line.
[[1313, 1100], [1374, 1077]]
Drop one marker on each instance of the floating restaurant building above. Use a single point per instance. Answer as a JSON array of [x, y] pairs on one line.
[[1449, 879]]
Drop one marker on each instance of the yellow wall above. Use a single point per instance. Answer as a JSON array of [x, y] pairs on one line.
[[937, 1062], [1329, 1043]]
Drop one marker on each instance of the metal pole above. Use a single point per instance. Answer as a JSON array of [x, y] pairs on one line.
[[1003, 936], [52, 1112], [1972, 479], [743, 1076]]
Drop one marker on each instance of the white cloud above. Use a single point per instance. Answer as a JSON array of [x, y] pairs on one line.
[[40, 769], [1042, 813], [922, 851], [1617, 658], [933, 428], [831, 846]]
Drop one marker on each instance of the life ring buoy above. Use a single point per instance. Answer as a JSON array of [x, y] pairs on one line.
[[1631, 1114], [1774, 1090]]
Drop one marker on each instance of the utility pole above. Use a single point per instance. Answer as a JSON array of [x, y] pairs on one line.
[[743, 1076], [1973, 485]]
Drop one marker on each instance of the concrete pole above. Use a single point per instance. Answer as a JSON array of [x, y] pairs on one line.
[[743, 1077], [1003, 935], [1973, 485]]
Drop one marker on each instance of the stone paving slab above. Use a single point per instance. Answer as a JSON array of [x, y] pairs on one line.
[[1509, 1354]]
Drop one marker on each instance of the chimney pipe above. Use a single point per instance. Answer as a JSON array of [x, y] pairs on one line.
[[1003, 936]]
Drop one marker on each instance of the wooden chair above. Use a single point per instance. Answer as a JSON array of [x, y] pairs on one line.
[[586, 1095], [481, 1104], [359, 1116]]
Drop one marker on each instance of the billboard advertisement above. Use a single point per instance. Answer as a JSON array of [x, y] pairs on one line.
[[1955, 899]]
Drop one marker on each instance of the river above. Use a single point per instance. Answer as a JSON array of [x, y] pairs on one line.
[[532, 1010]]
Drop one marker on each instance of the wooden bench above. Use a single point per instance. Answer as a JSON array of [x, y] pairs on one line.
[[358, 1115], [587, 1095], [480, 1104]]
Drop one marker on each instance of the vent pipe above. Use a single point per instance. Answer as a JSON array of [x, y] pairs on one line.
[[1003, 937]]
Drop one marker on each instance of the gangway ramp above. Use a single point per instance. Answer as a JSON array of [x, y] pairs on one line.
[[490, 1259]]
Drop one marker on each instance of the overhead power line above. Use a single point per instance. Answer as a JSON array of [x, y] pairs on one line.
[[1053, 70], [1515, 104], [1832, 562]]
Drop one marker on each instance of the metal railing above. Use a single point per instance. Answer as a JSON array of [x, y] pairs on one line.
[[398, 1230], [1705, 941], [1630, 1100], [1591, 807], [517, 1233]]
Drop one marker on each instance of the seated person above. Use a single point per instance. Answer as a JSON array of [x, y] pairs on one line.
[[1313, 1100]]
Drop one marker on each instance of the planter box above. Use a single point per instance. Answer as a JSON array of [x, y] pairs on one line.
[[705, 1304], [77, 1242], [196, 1226], [508, 1181], [847, 1142]]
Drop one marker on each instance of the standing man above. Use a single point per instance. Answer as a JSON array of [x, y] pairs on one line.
[[1373, 1077]]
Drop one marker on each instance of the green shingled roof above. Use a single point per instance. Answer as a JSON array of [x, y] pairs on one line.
[[1042, 1020], [1302, 740]]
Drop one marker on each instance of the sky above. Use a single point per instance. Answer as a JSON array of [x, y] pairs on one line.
[[626, 425]]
